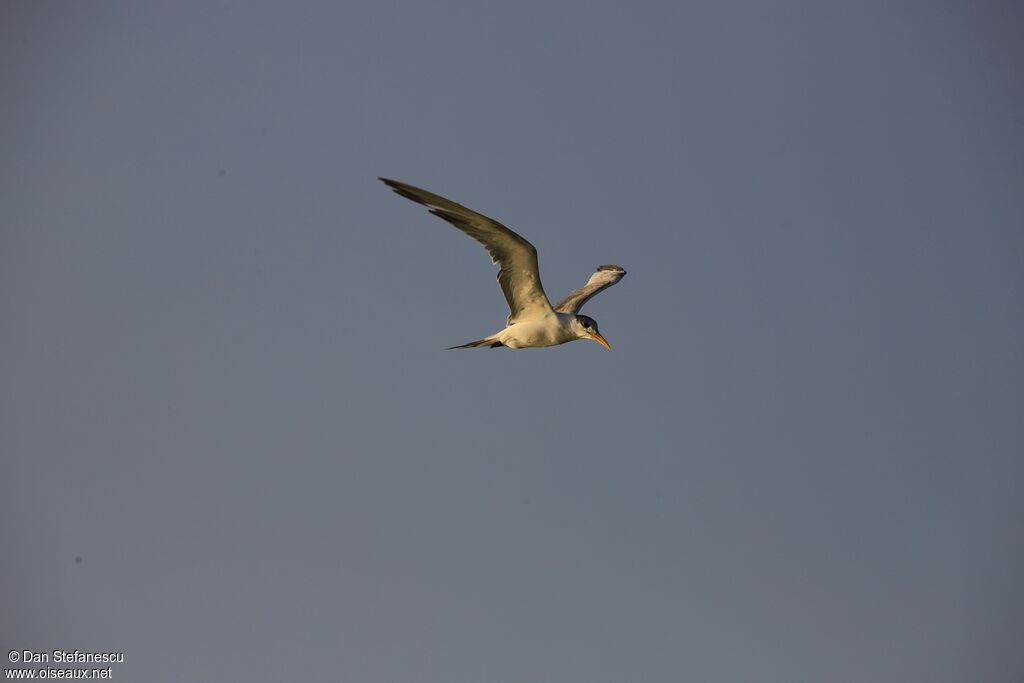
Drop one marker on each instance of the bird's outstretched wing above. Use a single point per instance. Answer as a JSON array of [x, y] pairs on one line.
[[603, 278], [519, 274]]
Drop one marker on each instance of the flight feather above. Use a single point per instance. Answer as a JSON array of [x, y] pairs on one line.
[[519, 272]]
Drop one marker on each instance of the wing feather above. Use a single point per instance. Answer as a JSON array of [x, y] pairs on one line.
[[603, 278], [518, 274]]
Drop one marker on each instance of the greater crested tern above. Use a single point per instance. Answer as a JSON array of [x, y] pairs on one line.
[[532, 321]]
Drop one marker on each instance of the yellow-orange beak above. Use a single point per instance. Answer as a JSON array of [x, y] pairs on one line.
[[596, 336]]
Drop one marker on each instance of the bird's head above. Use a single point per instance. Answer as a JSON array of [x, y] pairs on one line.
[[586, 328]]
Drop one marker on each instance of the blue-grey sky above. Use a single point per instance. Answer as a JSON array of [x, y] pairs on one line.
[[223, 384]]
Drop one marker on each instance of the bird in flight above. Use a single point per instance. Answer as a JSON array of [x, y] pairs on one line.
[[532, 321]]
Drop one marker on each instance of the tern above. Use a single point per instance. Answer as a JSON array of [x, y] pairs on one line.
[[532, 321]]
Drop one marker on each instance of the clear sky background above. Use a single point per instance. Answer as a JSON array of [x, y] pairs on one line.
[[224, 390]]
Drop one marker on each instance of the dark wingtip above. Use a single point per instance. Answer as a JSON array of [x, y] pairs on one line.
[[403, 190], [393, 184]]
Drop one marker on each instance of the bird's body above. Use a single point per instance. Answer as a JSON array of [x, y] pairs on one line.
[[548, 330], [532, 321]]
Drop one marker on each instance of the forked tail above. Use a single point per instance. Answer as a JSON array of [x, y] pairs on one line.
[[486, 341]]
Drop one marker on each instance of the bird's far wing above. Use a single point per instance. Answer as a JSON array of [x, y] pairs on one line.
[[603, 278], [519, 274]]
